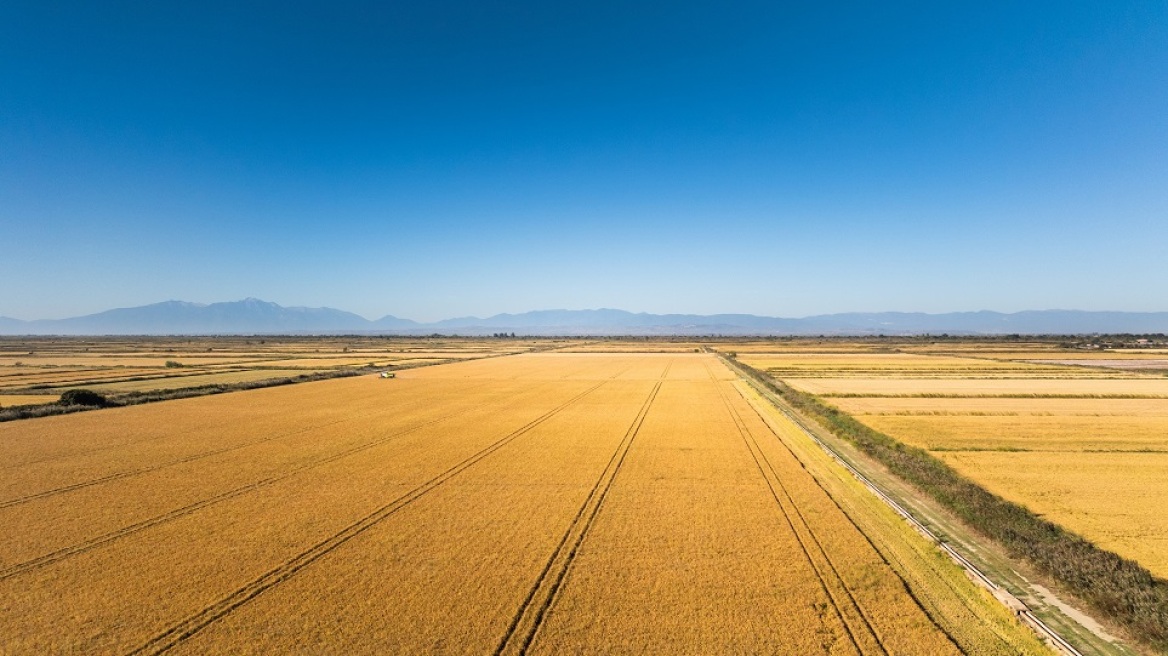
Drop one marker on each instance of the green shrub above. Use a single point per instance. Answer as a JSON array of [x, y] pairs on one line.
[[83, 397]]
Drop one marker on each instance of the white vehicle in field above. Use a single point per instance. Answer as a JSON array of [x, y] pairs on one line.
[[388, 374]]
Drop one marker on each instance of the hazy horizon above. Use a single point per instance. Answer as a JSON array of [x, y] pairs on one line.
[[563, 309], [451, 159]]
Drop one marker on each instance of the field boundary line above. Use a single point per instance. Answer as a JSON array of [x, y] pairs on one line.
[[183, 630], [528, 619], [1015, 605], [774, 479]]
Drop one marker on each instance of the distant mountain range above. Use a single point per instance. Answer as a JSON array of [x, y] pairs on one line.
[[255, 317]]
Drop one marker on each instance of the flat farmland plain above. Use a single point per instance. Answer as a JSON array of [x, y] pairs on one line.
[[123, 366], [539, 503], [1084, 447]]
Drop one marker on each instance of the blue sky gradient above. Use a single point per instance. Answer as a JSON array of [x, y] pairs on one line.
[[439, 159]]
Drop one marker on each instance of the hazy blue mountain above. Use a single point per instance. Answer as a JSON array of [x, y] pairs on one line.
[[390, 322], [9, 326], [1030, 322], [249, 316], [253, 316]]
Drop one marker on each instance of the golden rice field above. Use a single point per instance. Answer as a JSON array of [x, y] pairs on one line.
[[1071, 448], [981, 405], [540, 503], [119, 365], [8, 400], [1117, 500], [189, 380], [1070, 385], [1025, 432], [863, 365]]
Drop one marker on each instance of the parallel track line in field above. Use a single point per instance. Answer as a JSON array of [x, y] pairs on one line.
[[177, 513], [181, 461], [93, 543], [183, 630], [909, 591], [810, 544], [130, 473], [131, 443], [530, 616]]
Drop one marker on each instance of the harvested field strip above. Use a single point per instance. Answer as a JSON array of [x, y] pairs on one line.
[[531, 613], [861, 632], [1025, 433], [51, 379], [1015, 395], [981, 406], [183, 630], [189, 380], [154, 396], [1131, 387], [135, 432]]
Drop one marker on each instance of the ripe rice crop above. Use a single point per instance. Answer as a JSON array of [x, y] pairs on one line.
[[534, 503], [1069, 386], [1026, 432], [1002, 406], [9, 400], [1116, 500]]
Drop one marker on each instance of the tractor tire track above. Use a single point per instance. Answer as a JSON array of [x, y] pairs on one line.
[[134, 442], [903, 565], [858, 632], [191, 458], [183, 630], [177, 513], [528, 619], [173, 463]]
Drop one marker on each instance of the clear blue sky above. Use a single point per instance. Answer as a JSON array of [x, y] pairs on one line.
[[436, 159]]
